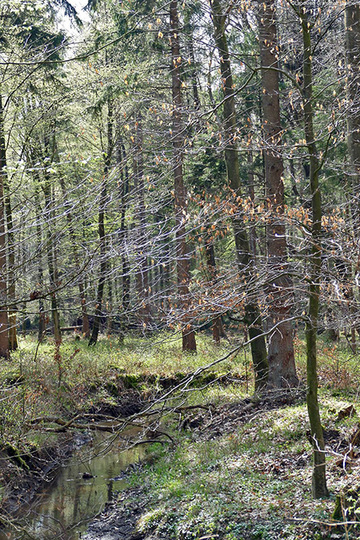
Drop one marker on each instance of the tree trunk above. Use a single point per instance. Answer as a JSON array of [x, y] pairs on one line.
[[52, 263], [245, 260], [13, 342], [319, 487], [101, 229], [142, 271], [4, 323], [282, 371], [121, 158], [49, 212], [42, 325], [352, 25], [217, 327], [182, 257], [352, 42], [82, 294]]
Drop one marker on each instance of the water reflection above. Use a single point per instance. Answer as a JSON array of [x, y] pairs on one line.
[[78, 493]]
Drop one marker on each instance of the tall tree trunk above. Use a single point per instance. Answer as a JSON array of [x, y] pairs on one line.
[[121, 159], [142, 270], [352, 25], [282, 371], [82, 293], [182, 257], [50, 149], [4, 322], [42, 325], [50, 252], [13, 342], [319, 487], [352, 42], [244, 256], [101, 228]]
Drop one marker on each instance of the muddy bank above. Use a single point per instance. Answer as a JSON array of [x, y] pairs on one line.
[[119, 519], [24, 473]]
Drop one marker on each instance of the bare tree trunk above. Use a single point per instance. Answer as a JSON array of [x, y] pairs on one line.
[[51, 262], [142, 271], [352, 25], [125, 266], [182, 257], [13, 342], [82, 294], [49, 213], [101, 229], [42, 326], [217, 327], [319, 487], [245, 259], [352, 42], [282, 371], [4, 322]]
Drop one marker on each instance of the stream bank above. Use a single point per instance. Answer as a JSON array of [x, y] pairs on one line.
[[238, 471]]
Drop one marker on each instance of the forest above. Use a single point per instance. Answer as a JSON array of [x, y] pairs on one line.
[[180, 269]]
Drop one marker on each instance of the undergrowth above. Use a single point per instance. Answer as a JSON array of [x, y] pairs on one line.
[[251, 483]]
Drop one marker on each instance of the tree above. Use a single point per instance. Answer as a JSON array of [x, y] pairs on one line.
[[282, 371], [319, 478], [182, 256], [352, 39], [4, 323], [252, 316]]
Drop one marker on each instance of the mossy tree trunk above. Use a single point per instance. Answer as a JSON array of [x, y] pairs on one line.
[[319, 487], [4, 322], [352, 45]]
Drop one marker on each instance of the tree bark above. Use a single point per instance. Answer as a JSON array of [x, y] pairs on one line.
[[122, 162], [217, 326], [101, 229], [282, 371], [319, 487], [4, 322], [142, 271], [352, 37], [82, 294], [245, 259], [13, 342], [49, 212], [42, 325], [182, 257]]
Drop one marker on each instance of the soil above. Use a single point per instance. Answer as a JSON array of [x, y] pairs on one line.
[[118, 520]]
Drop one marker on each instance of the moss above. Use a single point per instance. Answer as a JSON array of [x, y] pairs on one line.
[[15, 456]]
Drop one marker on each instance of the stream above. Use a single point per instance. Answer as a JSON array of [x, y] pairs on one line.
[[79, 491]]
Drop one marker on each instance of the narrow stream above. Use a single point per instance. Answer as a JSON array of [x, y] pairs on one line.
[[77, 494]]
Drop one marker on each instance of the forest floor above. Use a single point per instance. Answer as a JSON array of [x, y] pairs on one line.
[[220, 463]]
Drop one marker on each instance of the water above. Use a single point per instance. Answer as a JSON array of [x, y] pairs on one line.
[[78, 493]]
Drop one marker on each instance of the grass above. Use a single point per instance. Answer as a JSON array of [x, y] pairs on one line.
[[243, 485], [249, 484]]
